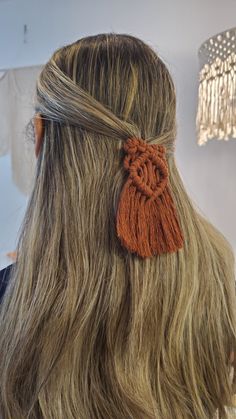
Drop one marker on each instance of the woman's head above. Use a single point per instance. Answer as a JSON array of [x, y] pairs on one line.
[[89, 330], [110, 84], [110, 101]]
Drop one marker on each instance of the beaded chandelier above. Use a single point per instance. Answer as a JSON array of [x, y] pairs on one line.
[[216, 114]]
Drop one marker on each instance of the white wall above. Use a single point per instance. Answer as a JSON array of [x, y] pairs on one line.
[[176, 29]]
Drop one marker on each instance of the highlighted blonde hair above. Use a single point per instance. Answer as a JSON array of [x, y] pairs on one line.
[[87, 329]]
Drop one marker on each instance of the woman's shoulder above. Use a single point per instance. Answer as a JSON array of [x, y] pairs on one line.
[[4, 279]]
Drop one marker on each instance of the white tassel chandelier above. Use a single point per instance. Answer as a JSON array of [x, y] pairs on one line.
[[216, 114]]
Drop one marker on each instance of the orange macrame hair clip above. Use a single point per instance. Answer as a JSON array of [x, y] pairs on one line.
[[146, 219]]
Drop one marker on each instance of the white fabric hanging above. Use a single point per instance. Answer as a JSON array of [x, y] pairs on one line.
[[4, 113], [17, 93], [23, 84]]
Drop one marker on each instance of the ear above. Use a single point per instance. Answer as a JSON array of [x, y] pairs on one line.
[[39, 133]]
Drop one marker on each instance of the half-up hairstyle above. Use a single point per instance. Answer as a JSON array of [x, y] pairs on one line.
[[89, 330]]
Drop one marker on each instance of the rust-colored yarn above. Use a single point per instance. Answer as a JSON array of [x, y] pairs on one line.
[[146, 219]]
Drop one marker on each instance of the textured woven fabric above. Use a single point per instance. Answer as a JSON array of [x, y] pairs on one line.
[[17, 92], [5, 112]]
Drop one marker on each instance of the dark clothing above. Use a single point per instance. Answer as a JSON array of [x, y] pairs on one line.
[[4, 279]]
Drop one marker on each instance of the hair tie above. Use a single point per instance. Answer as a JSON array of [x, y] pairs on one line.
[[146, 219]]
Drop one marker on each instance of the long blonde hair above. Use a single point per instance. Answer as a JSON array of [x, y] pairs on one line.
[[88, 330]]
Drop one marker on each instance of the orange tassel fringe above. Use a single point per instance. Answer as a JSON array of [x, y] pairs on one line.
[[146, 219]]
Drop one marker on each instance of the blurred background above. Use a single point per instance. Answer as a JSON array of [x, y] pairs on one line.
[[31, 30]]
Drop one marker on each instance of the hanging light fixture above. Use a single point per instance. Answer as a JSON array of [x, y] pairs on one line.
[[216, 114]]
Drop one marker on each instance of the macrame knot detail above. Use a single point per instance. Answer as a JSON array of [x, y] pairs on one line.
[[146, 219], [146, 166]]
